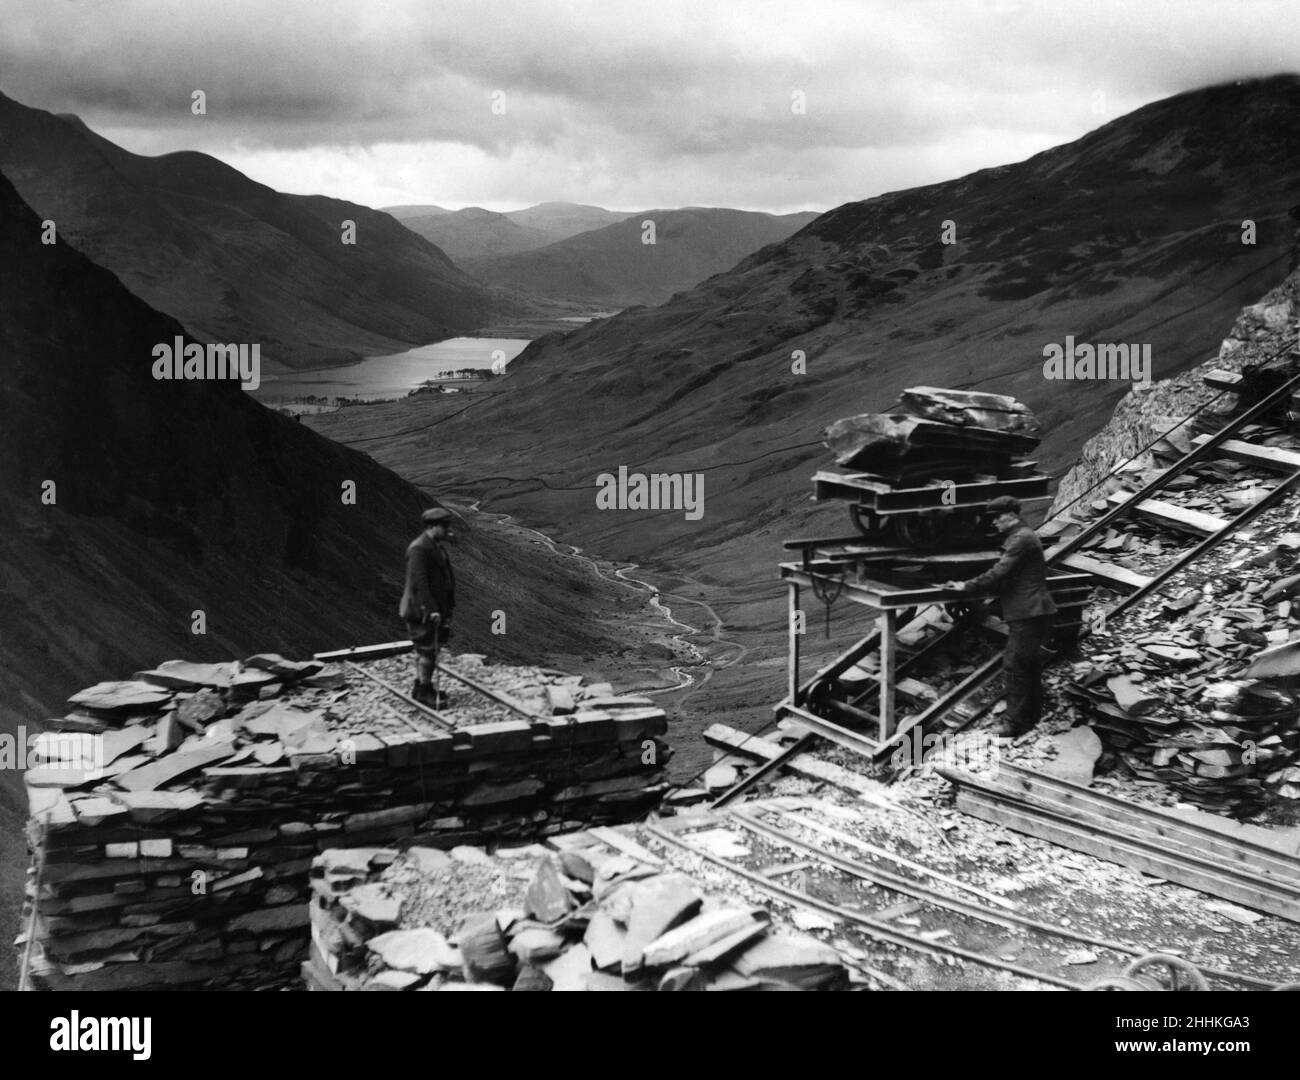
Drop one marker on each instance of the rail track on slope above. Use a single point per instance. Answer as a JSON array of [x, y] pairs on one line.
[[961, 916], [1248, 451]]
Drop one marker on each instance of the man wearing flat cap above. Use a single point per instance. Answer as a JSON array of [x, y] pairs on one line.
[[1020, 577], [428, 601]]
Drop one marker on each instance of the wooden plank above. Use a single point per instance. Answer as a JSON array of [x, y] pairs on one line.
[[1274, 458], [1232, 841], [888, 660], [728, 738], [793, 691], [812, 542], [1285, 842], [843, 662], [1115, 575], [886, 499], [1129, 852], [1180, 842], [771, 765], [1172, 515], [365, 652], [914, 688], [850, 740], [625, 844]]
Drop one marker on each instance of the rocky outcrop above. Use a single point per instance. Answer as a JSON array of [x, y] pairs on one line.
[[1261, 332]]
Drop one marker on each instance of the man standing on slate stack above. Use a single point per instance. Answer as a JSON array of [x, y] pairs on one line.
[[428, 601], [1020, 576]]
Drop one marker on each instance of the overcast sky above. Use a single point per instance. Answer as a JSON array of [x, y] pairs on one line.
[[625, 105]]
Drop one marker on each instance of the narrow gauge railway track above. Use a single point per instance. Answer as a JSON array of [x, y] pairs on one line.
[[400, 708], [1239, 445], [776, 827]]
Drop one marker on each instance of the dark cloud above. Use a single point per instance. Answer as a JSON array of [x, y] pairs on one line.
[[393, 100]]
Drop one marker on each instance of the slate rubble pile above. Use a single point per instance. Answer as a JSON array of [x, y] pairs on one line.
[[935, 433], [1183, 690], [175, 815], [580, 918]]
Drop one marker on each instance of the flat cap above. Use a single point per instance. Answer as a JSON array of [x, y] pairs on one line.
[[1004, 504], [436, 516]]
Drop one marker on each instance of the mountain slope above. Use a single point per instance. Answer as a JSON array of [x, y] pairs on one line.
[[475, 232], [615, 266], [412, 210], [1129, 234], [175, 497], [234, 260]]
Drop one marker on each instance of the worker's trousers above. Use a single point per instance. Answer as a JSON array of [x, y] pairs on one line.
[[1023, 665]]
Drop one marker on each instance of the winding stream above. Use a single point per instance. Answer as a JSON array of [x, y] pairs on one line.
[[686, 679]]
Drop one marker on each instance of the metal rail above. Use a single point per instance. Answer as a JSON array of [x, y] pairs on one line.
[[495, 695], [962, 907], [436, 716], [982, 674], [872, 927], [767, 768]]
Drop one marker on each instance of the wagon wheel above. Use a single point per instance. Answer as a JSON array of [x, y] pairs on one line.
[[1182, 975], [864, 520], [1117, 982]]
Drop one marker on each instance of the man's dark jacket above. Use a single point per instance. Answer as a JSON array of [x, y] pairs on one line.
[[430, 585], [1020, 576]]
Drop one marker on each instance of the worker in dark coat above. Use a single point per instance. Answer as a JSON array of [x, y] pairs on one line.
[[1020, 577], [429, 600]]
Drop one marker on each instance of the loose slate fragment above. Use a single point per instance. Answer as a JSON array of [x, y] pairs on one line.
[[483, 951], [658, 905], [164, 770], [113, 744], [1173, 652], [697, 934], [722, 843], [373, 903], [969, 408], [1281, 659], [684, 978], [283, 722], [802, 962], [547, 900], [604, 939], [329, 677], [279, 666], [1077, 754], [569, 971], [536, 945], [422, 950], [129, 694], [201, 708], [531, 978], [392, 980]]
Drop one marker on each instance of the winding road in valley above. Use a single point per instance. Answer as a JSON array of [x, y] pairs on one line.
[[688, 680]]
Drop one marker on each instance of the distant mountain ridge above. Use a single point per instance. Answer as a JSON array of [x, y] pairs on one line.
[[617, 266], [235, 260], [1132, 233], [560, 220], [474, 232]]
